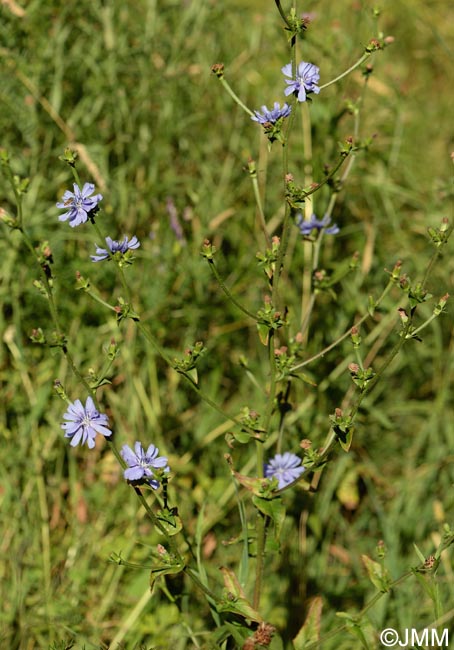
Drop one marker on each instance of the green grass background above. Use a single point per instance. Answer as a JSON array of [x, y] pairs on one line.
[[130, 83]]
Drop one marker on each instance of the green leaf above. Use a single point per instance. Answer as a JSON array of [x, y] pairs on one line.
[[354, 628], [345, 438], [421, 557], [171, 521], [163, 570], [264, 332], [273, 508], [310, 631], [235, 600], [377, 573]]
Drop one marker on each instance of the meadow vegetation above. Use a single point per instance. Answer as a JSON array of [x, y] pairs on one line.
[[128, 88]]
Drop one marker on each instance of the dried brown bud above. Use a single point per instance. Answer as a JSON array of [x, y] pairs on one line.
[[430, 562], [218, 69], [264, 633]]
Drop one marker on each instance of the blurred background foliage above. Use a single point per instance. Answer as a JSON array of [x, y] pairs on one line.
[[129, 86]]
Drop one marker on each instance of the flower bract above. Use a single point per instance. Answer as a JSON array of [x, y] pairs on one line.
[[83, 423], [285, 467], [271, 116], [306, 227], [78, 204], [114, 247], [142, 464], [302, 81]]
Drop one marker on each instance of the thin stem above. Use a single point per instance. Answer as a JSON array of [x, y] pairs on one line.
[[234, 96], [260, 527], [329, 635], [17, 195], [151, 339], [272, 391], [360, 61], [286, 222], [194, 577], [306, 294], [170, 540], [227, 291], [435, 257], [98, 299], [281, 11], [344, 335], [411, 334], [260, 212], [55, 318]]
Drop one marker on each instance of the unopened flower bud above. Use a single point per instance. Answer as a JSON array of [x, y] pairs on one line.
[[403, 315]]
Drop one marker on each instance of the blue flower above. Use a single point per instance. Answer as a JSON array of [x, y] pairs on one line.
[[78, 204], [114, 247], [285, 467], [271, 117], [84, 423], [303, 82], [306, 227], [141, 464]]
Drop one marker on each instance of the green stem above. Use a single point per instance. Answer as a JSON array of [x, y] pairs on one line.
[[307, 296], [227, 292], [343, 336], [411, 335], [98, 299], [360, 61], [286, 222], [261, 214], [235, 97], [55, 318], [435, 257], [272, 391], [17, 195], [329, 635], [260, 527], [281, 11], [151, 339], [154, 519], [194, 577], [329, 176], [76, 175]]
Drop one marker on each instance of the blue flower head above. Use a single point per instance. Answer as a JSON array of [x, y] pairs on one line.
[[306, 227], [271, 117], [272, 120], [303, 82], [78, 204], [114, 247], [142, 464], [83, 423], [285, 467]]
